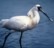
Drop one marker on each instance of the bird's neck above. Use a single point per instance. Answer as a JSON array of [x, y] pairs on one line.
[[35, 16]]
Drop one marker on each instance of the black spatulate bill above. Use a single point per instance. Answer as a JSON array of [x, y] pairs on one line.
[[47, 15]]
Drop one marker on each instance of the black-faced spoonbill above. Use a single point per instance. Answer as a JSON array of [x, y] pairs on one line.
[[23, 23]]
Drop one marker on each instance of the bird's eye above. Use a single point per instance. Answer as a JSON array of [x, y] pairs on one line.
[[39, 8]]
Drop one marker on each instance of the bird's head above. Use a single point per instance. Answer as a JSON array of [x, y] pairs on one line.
[[39, 8]]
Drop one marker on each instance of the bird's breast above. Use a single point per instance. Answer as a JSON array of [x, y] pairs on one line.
[[31, 24]]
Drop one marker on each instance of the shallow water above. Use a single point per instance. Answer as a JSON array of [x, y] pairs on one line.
[[40, 37]]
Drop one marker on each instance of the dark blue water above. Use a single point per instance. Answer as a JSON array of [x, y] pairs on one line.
[[40, 37]]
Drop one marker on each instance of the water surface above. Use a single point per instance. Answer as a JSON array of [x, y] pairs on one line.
[[40, 37]]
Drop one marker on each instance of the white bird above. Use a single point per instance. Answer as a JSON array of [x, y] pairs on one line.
[[23, 23]]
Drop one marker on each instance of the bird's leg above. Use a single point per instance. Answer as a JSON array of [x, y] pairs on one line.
[[5, 40], [20, 40]]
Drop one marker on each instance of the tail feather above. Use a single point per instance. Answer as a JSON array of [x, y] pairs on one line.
[[3, 22]]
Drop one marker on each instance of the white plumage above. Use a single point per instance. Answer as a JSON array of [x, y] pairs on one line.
[[22, 22]]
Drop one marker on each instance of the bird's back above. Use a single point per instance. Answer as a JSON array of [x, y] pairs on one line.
[[21, 22], [18, 23]]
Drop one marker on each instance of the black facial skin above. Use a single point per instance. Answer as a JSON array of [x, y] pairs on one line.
[[39, 8]]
